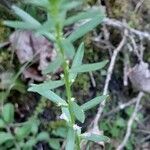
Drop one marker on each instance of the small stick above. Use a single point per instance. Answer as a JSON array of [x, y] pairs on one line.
[[120, 25], [108, 78], [92, 79], [120, 107], [130, 122]]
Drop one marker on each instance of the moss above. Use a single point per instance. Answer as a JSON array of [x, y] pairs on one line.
[[3, 33], [82, 83], [118, 9]]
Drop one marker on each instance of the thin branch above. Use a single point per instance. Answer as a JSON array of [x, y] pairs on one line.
[[139, 4], [130, 122], [120, 107], [120, 25], [108, 78], [92, 79]]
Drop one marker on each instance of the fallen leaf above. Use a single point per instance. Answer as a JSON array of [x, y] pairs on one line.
[[32, 73], [31, 46], [139, 76]]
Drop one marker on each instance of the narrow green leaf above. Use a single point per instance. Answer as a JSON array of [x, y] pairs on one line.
[[70, 5], [89, 67], [70, 139], [47, 85], [95, 137], [65, 114], [4, 137], [95, 101], [69, 48], [79, 56], [8, 113], [78, 112], [50, 96], [53, 66], [20, 25], [48, 35], [85, 28], [41, 3], [77, 60], [91, 13], [25, 16]]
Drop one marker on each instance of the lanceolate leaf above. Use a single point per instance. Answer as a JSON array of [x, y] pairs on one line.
[[85, 28], [89, 67], [78, 112], [68, 48], [65, 114], [68, 6], [95, 137], [48, 35], [41, 3], [82, 15], [70, 139], [20, 25], [25, 16], [92, 103], [77, 60], [51, 96], [79, 56], [47, 85]]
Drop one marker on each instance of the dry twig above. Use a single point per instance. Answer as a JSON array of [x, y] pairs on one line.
[[108, 78], [121, 26], [130, 122], [120, 107]]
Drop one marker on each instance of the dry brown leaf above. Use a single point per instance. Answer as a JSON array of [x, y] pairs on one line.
[[32, 73], [28, 44], [139, 76]]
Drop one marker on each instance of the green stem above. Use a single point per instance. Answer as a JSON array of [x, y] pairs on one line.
[[66, 79], [78, 142], [66, 71]]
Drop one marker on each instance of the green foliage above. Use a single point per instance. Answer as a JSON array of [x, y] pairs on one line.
[[52, 28], [8, 113], [78, 112], [15, 135], [95, 137], [116, 127], [70, 139], [92, 103]]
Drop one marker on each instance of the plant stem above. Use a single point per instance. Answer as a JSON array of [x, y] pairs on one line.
[[78, 142], [66, 71]]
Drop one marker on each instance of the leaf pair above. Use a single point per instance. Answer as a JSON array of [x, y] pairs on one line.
[[78, 67], [79, 110], [71, 137], [95, 18], [28, 22]]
